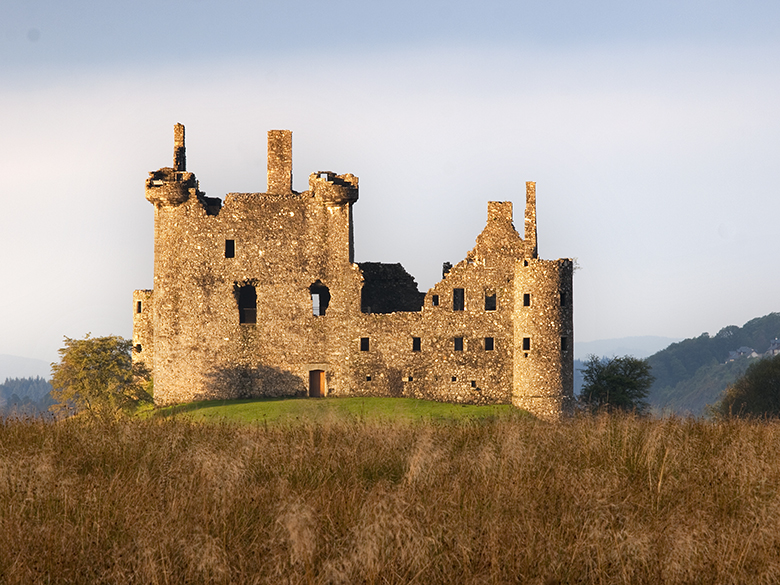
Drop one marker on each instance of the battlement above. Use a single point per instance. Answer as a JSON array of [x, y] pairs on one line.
[[334, 188]]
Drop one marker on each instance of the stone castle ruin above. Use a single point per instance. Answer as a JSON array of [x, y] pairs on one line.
[[259, 296]]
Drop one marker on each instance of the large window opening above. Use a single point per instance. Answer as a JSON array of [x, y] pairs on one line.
[[527, 300], [320, 298], [526, 343], [458, 344], [230, 248], [490, 301], [489, 344], [458, 299], [364, 344], [247, 304], [416, 344]]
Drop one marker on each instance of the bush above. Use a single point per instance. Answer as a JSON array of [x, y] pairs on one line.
[[757, 393]]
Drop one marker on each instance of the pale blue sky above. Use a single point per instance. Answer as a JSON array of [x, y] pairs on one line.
[[651, 128]]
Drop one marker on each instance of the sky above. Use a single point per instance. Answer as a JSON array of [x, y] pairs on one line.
[[651, 129]]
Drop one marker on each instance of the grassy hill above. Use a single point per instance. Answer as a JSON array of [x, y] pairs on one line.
[[693, 373], [318, 410]]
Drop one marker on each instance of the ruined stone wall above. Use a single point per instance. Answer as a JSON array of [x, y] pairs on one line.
[[232, 312], [544, 364]]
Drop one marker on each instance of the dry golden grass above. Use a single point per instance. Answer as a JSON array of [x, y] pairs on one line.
[[594, 500]]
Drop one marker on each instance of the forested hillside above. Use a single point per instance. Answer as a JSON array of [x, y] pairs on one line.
[[692, 373], [24, 397]]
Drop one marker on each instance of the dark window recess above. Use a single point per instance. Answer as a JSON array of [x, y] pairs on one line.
[[247, 303], [320, 298], [230, 248], [489, 344], [416, 343], [458, 299], [410, 379], [137, 348], [368, 378], [458, 344], [364, 344], [564, 344], [435, 300], [138, 307], [473, 383], [526, 344], [527, 300], [445, 268], [525, 262], [490, 301], [388, 288], [454, 378], [563, 299]]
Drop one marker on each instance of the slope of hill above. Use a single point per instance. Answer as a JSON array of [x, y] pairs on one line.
[[692, 373], [14, 366]]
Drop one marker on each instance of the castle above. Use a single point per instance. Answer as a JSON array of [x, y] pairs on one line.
[[259, 296]]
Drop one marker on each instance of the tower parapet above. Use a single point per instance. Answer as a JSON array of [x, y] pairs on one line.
[[171, 186], [334, 188]]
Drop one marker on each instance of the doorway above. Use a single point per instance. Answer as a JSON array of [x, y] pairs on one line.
[[316, 383]]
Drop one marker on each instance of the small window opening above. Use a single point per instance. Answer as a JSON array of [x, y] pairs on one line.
[[454, 378], [435, 300], [247, 304], [525, 262], [526, 344], [458, 299], [138, 307], [364, 344], [409, 379], [489, 344], [564, 344], [563, 298], [490, 301], [445, 268], [368, 378], [137, 348], [230, 248], [416, 344], [473, 383], [527, 300], [458, 344], [320, 298]]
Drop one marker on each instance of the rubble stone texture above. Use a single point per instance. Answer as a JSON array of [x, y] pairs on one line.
[[260, 296]]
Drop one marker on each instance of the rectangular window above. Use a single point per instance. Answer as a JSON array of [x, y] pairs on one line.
[[490, 301], [454, 378], [230, 248], [563, 299], [489, 344], [458, 344], [473, 383], [138, 307], [564, 344], [364, 344], [247, 304], [435, 300], [416, 343], [368, 378], [458, 299], [526, 343], [527, 300]]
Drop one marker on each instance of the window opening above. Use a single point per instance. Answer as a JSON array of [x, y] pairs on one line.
[[489, 344], [368, 378], [435, 300], [490, 301], [473, 383], [527, 300], [137, 348], [563, 299], [458, 344], [564, 344], [320, 298], [230, 248], [416, 343], [247, 304], [458, 299], [409, 379], [454, 378], [526, 344], [138, 307], [364, 344]]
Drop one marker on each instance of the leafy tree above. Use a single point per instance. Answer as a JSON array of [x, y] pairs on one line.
[[97, 375], [616, 383], [757, 393]]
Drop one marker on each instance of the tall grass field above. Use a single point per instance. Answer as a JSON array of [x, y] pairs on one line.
[[354, 498]]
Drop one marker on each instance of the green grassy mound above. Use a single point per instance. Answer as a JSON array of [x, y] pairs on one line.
[[317, 410]]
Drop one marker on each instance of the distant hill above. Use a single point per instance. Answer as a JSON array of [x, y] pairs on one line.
[[14, 366], [640, 347], [692, 373]]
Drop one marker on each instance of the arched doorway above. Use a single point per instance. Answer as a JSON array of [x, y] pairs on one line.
[[316, 383]]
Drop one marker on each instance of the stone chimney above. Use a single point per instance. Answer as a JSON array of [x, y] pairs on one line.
[[279, 162]]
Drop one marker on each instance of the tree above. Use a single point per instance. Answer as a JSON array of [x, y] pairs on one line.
[[617, 383], [756, 393], [97, 375]]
